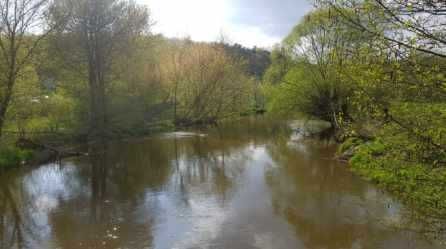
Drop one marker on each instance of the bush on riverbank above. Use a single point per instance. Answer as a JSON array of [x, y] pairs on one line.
[[415, 183], [12, 157]]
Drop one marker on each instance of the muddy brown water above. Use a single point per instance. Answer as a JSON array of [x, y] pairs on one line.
[[251, 184]]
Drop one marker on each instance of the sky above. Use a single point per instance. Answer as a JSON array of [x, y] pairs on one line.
[[260, 23]]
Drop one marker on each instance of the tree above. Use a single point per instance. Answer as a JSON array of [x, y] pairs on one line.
[[412, 24], [21, 30], [305, 70], [95, 33], [399, 74], [206, 84]]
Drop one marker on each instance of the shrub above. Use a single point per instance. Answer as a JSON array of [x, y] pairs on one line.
[[415, 183], [13, 157]]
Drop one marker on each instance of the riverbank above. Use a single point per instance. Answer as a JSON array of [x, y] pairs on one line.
[[44, 147], [25, 152], [380, 161], [416, 184], [41, 148]]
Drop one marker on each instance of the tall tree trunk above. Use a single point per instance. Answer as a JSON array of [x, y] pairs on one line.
[[6, 101], [175, 120], [11, 78], [97, 104], [3, 109], [98, 120]]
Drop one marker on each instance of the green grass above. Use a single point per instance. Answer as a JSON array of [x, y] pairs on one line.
[[417, 184]]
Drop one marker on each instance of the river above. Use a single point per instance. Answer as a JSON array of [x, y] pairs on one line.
[[250, 184]]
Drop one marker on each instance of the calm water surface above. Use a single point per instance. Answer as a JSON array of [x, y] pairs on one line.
[[247, 185]]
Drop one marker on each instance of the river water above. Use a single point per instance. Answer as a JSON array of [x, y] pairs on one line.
[[253, 184]]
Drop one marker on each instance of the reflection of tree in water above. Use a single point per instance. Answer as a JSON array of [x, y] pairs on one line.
[[201, 165], [211, 165], [330, 208], [119, 187], [11, 224], [119, 177], [98, 179], [17, 224]]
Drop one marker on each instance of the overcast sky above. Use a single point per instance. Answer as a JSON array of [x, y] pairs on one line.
[[259, 23]]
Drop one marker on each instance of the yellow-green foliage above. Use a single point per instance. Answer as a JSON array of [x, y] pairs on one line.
[[388, 98], [52, 96], [303, 75], [415, 183], [204, 82], [348, 144]]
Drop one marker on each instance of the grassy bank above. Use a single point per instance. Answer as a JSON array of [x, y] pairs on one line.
[[417, 184]]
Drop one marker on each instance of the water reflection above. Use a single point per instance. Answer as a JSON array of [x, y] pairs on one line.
[[329, 207], [26, 201], [238, 186], [11, 224]]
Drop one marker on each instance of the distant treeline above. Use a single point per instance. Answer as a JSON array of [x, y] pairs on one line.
[[258, 60]]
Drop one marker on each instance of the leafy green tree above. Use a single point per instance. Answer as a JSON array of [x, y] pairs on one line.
[[398, 75], [305, 71], [206, 84], [93, 36], [17, 19]]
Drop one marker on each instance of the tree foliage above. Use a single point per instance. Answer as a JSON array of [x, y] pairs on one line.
[[206, 84], [17, 47], [93, 35]]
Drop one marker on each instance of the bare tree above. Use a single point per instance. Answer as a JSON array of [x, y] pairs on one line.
[[21, 30]]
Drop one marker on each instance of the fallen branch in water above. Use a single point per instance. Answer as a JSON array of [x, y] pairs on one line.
[[45, 153]]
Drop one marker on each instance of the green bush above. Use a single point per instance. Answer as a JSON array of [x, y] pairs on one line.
[[348, 144], [12, 157], [415, 183]]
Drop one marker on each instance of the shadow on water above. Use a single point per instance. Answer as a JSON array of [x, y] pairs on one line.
[[250, 184]]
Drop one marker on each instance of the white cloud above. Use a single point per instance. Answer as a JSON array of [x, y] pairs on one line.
[[250, 36], [205, 20]]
